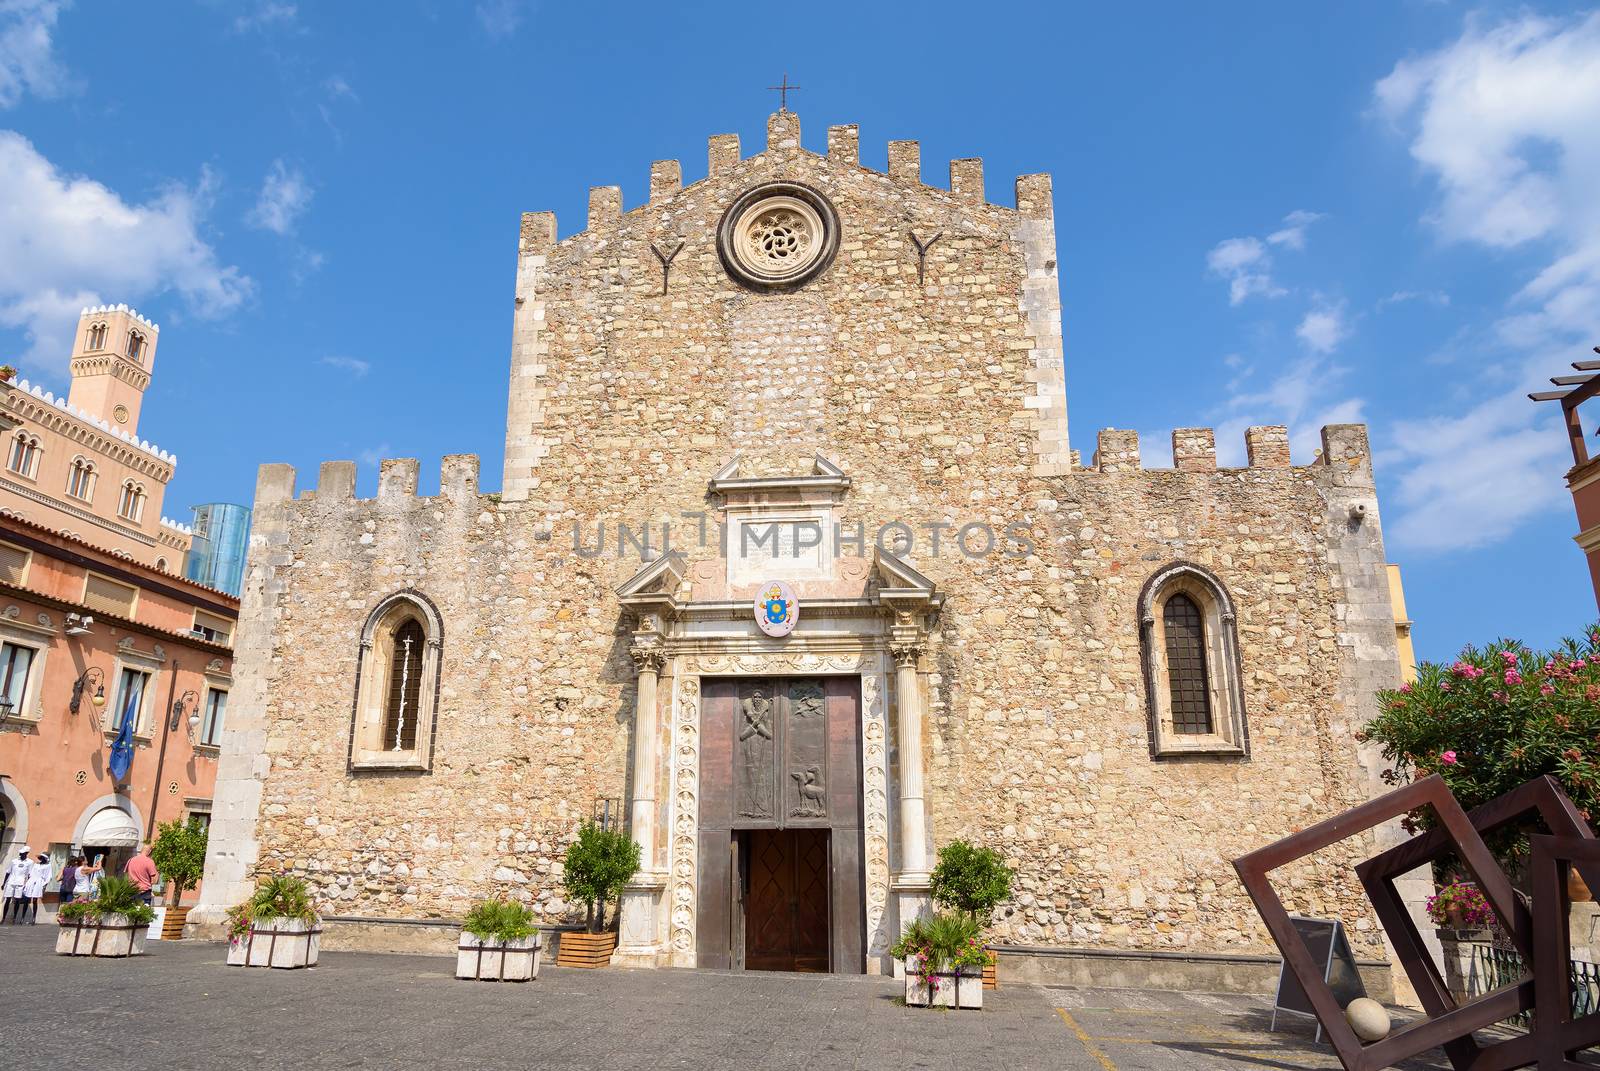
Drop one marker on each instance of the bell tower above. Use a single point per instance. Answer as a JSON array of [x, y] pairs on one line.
[[112, 355]]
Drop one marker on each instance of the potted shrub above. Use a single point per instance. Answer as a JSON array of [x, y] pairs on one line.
[[179, 853], [8, 372], [111, 925], [944, 962], [1460, 906], [599, 864], [973, 881], [277, 927], [499, 943]]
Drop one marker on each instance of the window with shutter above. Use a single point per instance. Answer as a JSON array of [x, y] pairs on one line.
[[109, 597], [13, 564], [211, 627]]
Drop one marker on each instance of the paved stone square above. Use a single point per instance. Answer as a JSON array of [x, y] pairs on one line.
[[179, 1007]]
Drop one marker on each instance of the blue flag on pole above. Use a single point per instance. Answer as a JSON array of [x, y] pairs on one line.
[[122, 746]]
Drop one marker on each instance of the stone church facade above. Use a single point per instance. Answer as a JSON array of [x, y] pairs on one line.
[[793, 560]]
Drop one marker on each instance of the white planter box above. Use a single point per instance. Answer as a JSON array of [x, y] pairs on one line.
[[111, 936], [942, 988], [917, 995], [969, 988], [288, 944], [490, 960]]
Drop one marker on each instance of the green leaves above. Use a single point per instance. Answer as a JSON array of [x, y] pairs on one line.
[[599, 864], [1496, 718], [970, 879], [119, 896], [180, 853], [499, 920], [282, 896]]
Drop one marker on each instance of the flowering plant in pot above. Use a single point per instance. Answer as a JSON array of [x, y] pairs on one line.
[[940, 955], [111, 925], [1460, 906], [973, 881], [277, 927], [499, 943]]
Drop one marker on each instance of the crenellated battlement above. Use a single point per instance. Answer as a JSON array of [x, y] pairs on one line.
[[1266, 447], [723, 154], [397, 482]]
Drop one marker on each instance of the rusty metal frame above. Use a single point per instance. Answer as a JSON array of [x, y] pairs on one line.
[[1557, 1036], [1541, 796], [1418, 1037]]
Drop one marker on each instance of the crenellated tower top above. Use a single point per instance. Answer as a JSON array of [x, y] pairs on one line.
[[113, 354]]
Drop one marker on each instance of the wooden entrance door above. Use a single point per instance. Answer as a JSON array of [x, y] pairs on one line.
[[779, 857], [786, 908]]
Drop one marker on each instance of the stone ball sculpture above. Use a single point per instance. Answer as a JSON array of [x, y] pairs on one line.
[[1368, 1018]]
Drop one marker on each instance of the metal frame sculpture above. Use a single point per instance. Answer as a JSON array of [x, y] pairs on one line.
[[1540, 936]]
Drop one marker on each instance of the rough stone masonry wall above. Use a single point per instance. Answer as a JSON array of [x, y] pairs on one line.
[[938, 400]]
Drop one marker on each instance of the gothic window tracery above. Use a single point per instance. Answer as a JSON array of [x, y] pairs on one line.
[[81, 479], [1189, 643], [24, 457], [397, 685]]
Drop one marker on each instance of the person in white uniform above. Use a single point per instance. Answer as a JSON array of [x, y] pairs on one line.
[[13, 881], [38, 877]]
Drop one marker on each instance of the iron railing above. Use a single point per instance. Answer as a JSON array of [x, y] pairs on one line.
[[1493, 967]]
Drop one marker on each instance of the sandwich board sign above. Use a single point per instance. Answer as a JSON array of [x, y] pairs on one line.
[[1325, 938]]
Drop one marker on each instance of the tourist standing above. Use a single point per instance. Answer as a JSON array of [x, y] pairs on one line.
[[69, 880], [38, 878], [12, 882], [141, 870], [89, 878]]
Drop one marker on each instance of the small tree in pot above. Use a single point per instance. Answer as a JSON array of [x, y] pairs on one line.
[[179, 853], [599, 865], [973, 881]]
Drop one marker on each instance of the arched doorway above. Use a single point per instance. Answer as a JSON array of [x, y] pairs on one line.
[[111, 834]]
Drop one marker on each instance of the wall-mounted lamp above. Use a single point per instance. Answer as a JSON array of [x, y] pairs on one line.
[[94, 676], [6, 707], [187, 703]]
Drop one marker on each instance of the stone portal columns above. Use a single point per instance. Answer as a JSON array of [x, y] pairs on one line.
[[639, 944], [907, 642]]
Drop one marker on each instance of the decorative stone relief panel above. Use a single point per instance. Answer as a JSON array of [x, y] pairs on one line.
[[685, 819]]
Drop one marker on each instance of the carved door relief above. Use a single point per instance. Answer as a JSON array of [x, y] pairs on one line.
[[780, 752], [780, 851]]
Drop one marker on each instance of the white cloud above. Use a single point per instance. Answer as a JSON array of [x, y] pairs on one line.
[[354, 365], [27, 58], [264, 15], [499, 18], [1303, 396], [374, 454], [1244, 263], [67, 241], [1401, 297], [1293, 233], [1503, 120], [1323, 328], [285, 196], [1247, 264]]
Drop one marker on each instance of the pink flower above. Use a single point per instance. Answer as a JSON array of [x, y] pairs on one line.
[[1509, 656], [1406, 688], [1547, 689], [1500, 696], [1444, 686], [1578, 663], [1448, 758], [1513, 677]]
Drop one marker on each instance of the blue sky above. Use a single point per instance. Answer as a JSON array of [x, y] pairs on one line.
[[1265, 214]]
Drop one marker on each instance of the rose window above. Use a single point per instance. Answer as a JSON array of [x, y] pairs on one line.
[[776, 237]]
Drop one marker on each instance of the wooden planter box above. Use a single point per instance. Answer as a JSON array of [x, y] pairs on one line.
[[109, 936], [961, 988], [172, 923], [579, 949], [991, 973], [287, 944], [486, 959]]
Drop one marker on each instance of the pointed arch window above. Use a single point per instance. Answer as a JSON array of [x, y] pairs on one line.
[[24, 457], [97, 337], [1190, 646], [135, 346], [397, 685], [81, 479]]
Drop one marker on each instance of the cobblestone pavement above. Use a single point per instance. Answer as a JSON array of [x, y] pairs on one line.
[[179, 1007]]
